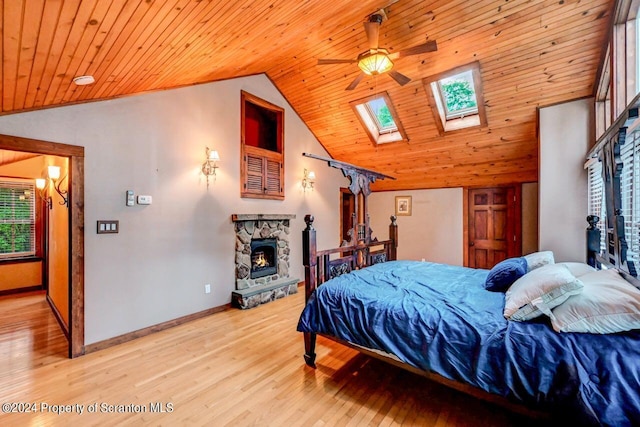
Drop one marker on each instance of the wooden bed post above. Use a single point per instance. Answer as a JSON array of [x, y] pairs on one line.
[[393, 236], [310, 262], [593, 241]]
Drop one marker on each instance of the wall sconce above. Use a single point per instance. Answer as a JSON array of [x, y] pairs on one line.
[[41, 184], [54, 176], [308, 180], [209, 166]]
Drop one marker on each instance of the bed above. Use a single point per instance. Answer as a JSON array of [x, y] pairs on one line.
[[440, 320]]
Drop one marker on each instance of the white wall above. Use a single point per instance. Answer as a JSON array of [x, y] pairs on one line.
[[155, 269], [565, 133], [434, 229]]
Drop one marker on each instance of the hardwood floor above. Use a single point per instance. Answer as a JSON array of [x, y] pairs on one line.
[[235, 368], [30, 335]]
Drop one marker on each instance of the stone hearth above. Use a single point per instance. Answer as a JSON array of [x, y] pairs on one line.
[[251, 292]]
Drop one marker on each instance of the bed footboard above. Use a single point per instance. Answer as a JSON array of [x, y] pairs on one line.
[[320, 266]]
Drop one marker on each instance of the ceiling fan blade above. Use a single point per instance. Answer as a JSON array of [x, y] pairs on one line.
[[400, 78], [373, 31], [335, 61], [355, 82], [430, 46]]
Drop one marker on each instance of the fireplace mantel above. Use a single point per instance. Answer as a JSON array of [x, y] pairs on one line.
[[263, 217]]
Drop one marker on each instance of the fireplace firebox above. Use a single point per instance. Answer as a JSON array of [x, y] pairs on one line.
[[263, 257]]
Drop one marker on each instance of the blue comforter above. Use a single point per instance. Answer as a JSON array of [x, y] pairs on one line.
[[440, 318]]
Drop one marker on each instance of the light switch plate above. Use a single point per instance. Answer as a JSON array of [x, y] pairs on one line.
[[108, 226]]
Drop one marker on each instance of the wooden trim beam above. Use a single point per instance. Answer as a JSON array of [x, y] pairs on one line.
[[342, 165]]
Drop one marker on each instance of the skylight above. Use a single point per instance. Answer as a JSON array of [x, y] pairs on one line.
[[378, 117], [379, 112], [456, 98], [458, 95]]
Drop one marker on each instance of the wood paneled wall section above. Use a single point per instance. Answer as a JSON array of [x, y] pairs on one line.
[[20, 275], [531, 53]]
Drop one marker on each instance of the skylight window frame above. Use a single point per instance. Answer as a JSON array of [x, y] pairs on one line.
[[377, 133], [461, 119]]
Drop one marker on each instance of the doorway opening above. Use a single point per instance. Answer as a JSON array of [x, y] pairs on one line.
[[71, 237], [347, 216]]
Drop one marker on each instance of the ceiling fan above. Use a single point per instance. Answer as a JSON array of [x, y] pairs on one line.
[[377, 60]]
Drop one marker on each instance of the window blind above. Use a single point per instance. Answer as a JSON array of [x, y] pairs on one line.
[[17, 219], [630, 194], [596, 199]]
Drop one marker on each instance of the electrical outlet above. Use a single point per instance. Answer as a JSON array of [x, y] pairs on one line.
[[207, 288]]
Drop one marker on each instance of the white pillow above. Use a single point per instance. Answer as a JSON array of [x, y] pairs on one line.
[[539, 291], [578, 268], [538, 259], [608, 304]]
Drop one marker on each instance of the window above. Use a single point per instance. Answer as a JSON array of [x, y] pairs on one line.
[[596, 198], [603, 100], [379, 118], [618, 144], [17, 219], [456, 98]]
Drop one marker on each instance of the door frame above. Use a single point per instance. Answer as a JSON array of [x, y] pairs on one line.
[[517, 187], [75, 154]]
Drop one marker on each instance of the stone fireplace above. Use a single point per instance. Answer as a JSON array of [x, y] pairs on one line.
[[262, 259]]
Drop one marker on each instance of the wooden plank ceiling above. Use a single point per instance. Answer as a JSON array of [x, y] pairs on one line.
[[531, 53]]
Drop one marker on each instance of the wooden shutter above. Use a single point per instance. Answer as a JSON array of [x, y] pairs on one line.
[[254, 174], [263, 174], [273, 177]]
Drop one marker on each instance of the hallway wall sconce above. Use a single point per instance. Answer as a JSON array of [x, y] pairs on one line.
[[41, 185], [308, 180], [54, 176], [209, 166]]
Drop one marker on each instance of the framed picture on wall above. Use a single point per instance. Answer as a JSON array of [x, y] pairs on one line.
[[403, 205]]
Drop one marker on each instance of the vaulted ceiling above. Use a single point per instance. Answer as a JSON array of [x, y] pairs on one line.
[[531, 54]]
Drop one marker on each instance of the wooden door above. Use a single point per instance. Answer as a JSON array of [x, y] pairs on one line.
[[494, 230], [347, 210]]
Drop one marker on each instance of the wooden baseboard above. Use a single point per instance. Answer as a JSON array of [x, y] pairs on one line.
[[56, 313], [21, 290], [101, 345]]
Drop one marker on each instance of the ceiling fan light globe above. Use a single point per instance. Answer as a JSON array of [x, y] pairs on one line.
[[374, 64]]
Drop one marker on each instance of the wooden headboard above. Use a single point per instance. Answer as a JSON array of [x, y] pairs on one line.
[[320, 266]]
